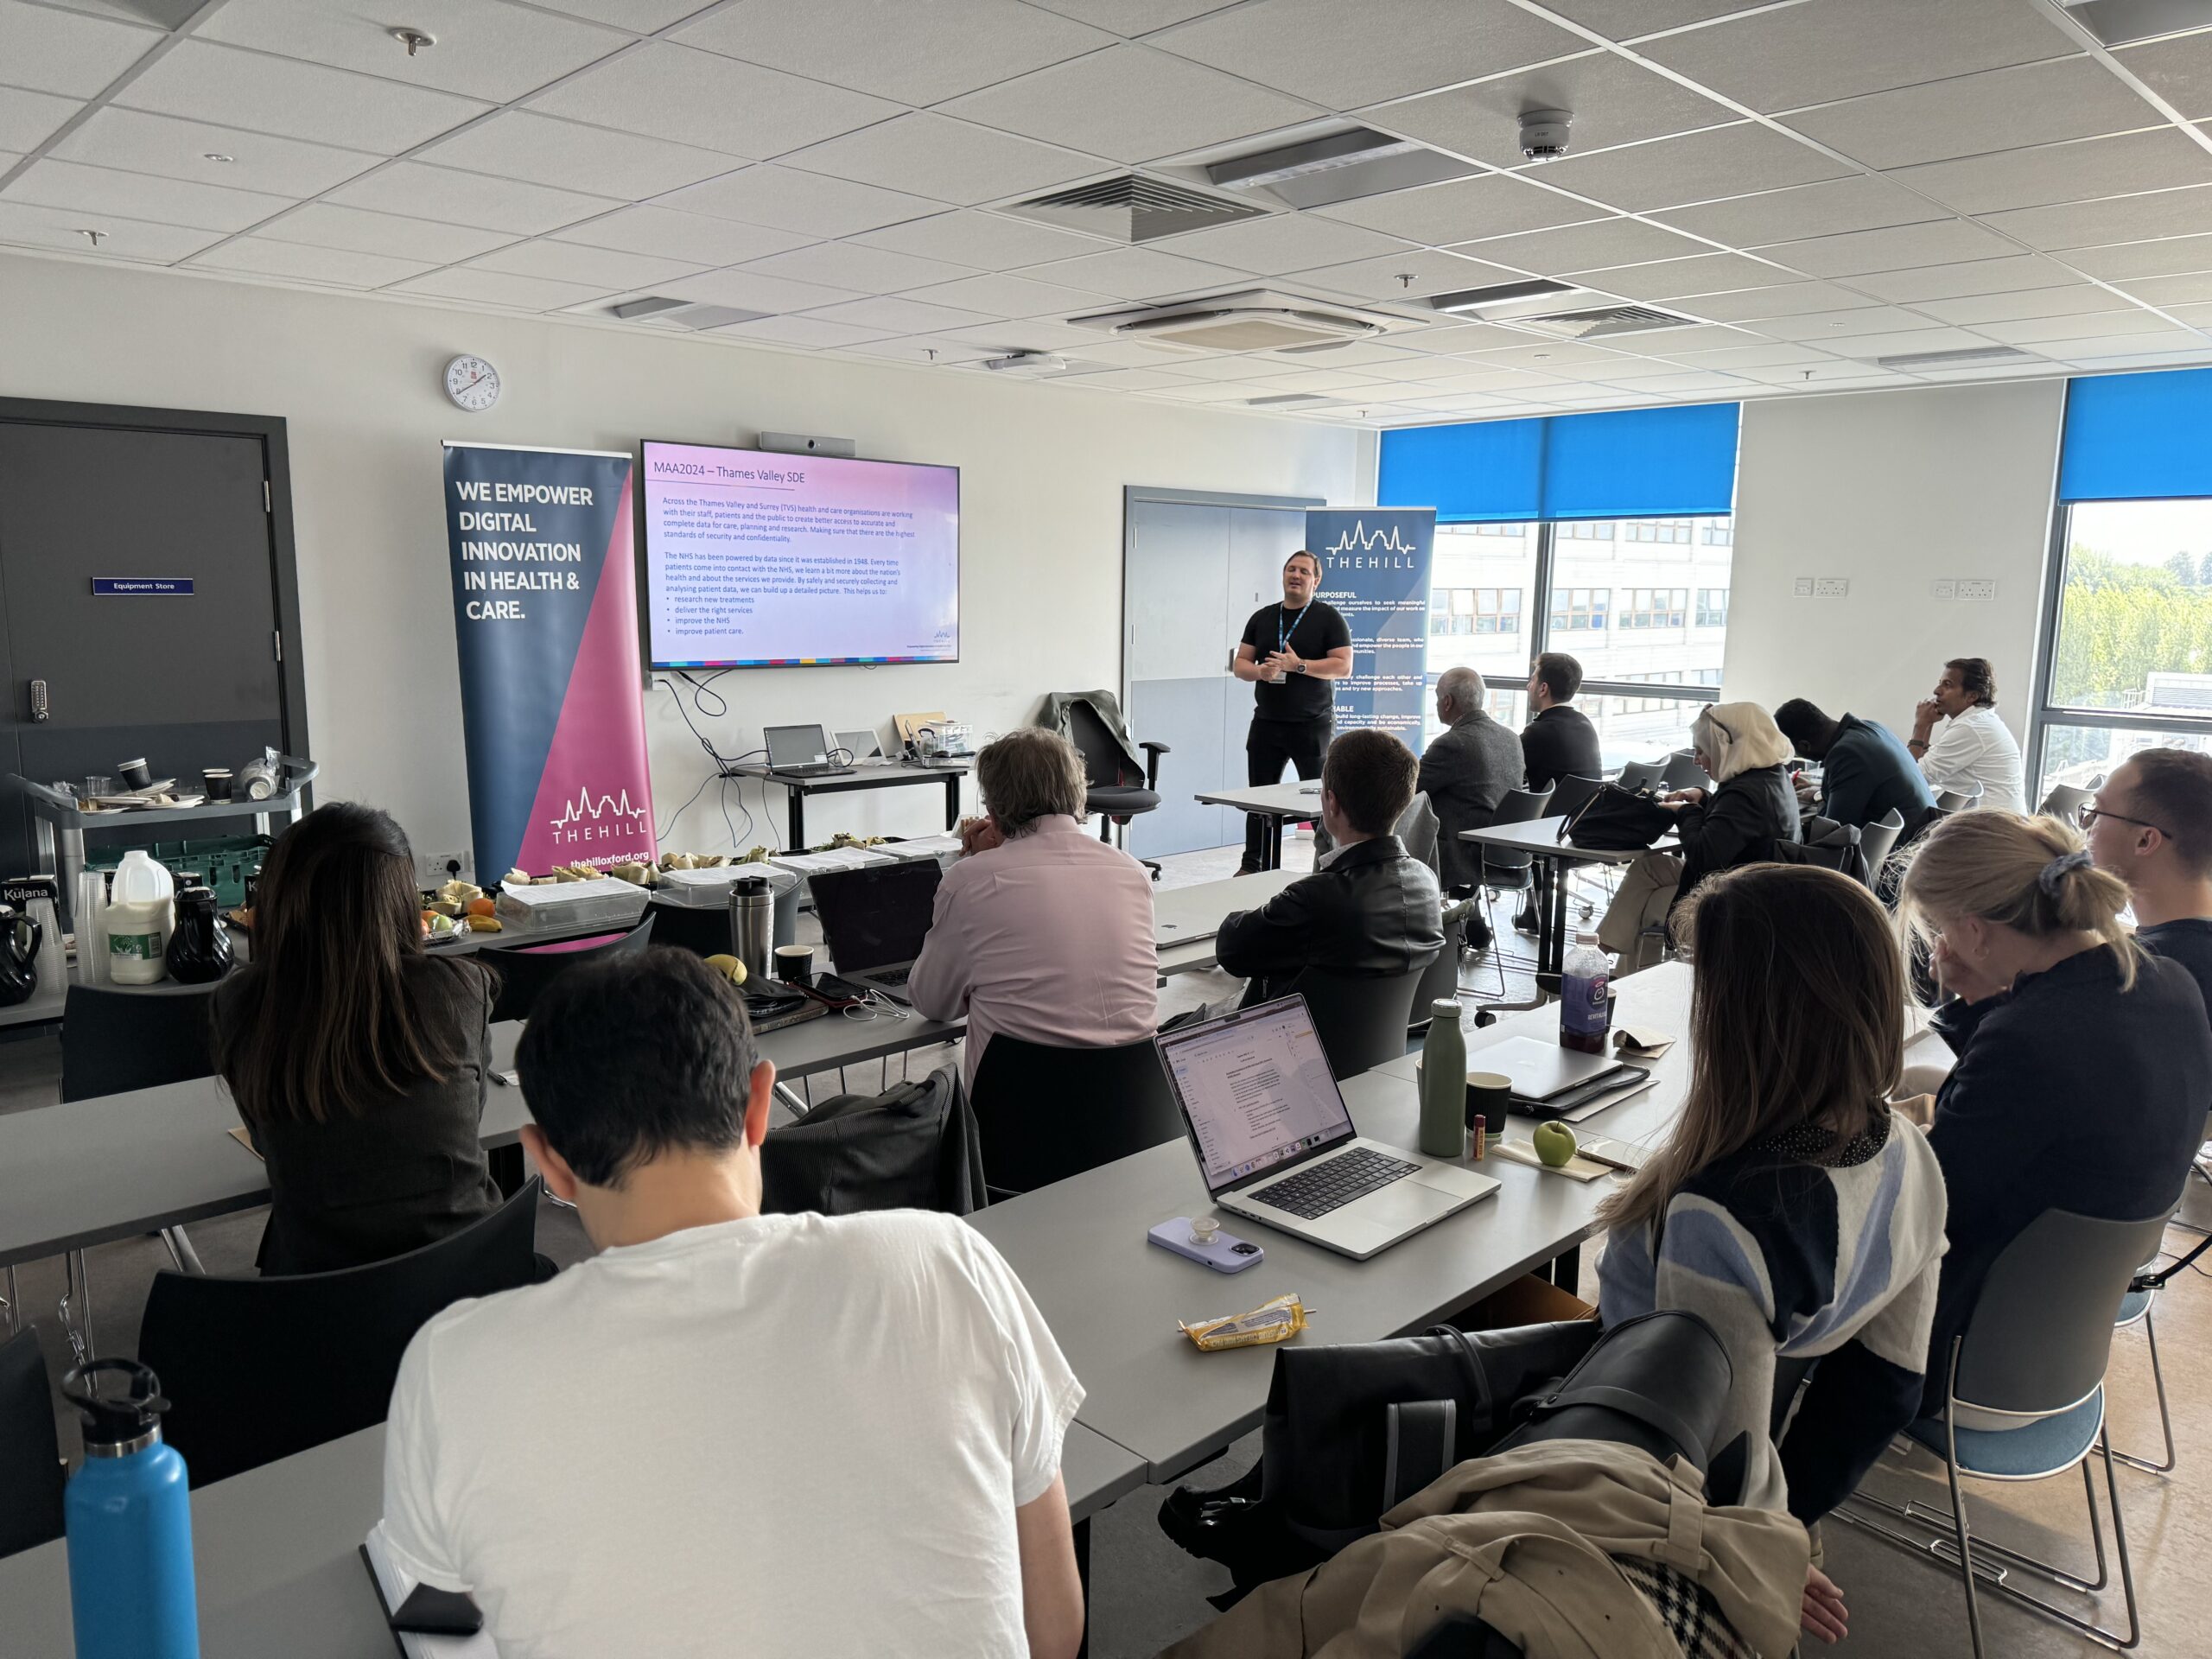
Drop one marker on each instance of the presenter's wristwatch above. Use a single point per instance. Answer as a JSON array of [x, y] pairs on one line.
[[1297, 667]]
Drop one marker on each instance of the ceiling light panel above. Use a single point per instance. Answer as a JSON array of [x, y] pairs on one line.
[[200, 81], [1132, 103], [65, 52], [1976, 115], [914, 53], [1790, 56], [486, 48], [691, 97], [1614, 101], [1697, 166], [1342, 56]]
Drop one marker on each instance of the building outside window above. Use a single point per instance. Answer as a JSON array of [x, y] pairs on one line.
[[1574, 609], [1713, 607], [1656, 607], [1671, 532]]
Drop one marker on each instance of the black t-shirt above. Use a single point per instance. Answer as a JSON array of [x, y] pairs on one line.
[[1312, 634], [2189, 942]]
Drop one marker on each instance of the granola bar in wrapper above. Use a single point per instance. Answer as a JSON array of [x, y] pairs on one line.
[[1275, 1321]]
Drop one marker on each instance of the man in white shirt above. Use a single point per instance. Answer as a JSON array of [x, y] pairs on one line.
[[728, 1432], [1041, 932], [1973, 747]]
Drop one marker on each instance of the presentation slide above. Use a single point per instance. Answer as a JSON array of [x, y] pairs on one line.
[[755, 559]]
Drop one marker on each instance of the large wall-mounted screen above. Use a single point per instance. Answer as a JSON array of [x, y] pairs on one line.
[[755, 559]]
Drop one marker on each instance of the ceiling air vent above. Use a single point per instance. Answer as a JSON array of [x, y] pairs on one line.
[[1282, 398], [682, 313], [1133, 208], [1252, 319], [1600, 324], [1973, 357], [1340, 167]]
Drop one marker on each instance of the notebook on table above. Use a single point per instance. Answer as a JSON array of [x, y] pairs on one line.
[[1549, 1081]]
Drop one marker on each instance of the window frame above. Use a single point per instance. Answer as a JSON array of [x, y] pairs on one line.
[[1540, 609]]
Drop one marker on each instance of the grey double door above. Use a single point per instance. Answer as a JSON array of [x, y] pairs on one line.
[[1194, 574]]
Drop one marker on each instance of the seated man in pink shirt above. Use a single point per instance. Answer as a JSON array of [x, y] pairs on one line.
[[1041, 931]]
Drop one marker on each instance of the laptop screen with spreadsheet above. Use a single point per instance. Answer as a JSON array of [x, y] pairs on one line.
[[1256, 1089]]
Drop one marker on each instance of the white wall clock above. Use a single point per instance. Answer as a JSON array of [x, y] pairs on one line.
[[472, 382]]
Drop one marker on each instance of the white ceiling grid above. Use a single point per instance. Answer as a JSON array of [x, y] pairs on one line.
[[1814, 183]]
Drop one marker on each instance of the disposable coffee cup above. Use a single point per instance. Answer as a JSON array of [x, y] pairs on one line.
[[217, 782], [135, 773], [795, 963], [1490, 1096]]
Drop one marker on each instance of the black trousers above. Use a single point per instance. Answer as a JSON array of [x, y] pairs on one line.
[[1270, 746]]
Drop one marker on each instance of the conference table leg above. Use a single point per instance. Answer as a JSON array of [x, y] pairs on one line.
[[1567, 1269], [1082, 1574], [795, 816], [952, 801]]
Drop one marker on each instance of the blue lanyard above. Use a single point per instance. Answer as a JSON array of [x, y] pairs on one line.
[[1282, 634]]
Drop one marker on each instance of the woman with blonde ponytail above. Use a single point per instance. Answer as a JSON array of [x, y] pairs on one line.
[[2084, 1065]]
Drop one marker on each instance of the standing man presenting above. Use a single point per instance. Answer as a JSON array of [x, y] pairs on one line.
[[1290, 652]]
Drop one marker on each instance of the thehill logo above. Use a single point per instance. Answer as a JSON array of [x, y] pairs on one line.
[[1361, 549], [592, 817]]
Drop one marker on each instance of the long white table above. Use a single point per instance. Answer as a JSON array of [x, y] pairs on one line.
[[1112, 1299], [275, 1552], [1540, 839], [1275, 806]]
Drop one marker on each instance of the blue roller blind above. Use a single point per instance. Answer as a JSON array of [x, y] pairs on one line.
[[1486, 472], [2132, 437], [1618, 464]]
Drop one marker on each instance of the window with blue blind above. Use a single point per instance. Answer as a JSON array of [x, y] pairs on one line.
[[1611, 522]]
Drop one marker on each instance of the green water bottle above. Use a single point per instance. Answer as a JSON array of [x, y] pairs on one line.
[[1443, 1083]]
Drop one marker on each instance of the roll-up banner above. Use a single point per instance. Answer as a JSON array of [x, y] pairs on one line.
[[1374, 566], [552, 704]]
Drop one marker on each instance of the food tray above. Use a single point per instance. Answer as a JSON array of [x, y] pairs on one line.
[[572, 905], [710, 889]]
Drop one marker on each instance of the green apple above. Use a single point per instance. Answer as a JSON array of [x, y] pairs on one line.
[[1555, 1144]]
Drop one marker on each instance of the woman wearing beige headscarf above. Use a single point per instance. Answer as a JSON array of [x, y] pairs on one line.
[[1752, 807]]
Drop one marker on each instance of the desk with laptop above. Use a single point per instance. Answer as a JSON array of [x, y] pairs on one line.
[[803, 760]]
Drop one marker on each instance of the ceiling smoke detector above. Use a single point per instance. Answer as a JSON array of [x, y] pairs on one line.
[[1544, 135]]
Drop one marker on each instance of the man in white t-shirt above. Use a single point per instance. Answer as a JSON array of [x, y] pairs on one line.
[[1973, 748], [728, 1432]]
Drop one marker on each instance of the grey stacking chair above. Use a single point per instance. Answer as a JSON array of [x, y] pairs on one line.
[[2065, 802], [1682, 770], [2024, 1400], [1641, 774], [1877, 840], [1958, 800]]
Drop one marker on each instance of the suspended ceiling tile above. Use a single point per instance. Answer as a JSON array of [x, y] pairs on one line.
[[1790, 56], [1343, 56], [2179, 71], [1433, 272], [49, 51], [2133, 363], [864, 270], [2095, 325], [986, 241], [603, 268], [1279, 242], [1905, 342], [198, 80], [643, 15], [1131, 103], [813, 333], [1782, 300], [1819, 326], [1696, 167], [139, 143], [100, 190], [1026, 334], [688, 96], [25, 226], [1673, 279], [908, 316], [1614, 101], [1122, 381], [697, 238], [914, 53], [568, 156], [1833, 208], [750, 291], [791, 201], [1782, 354], [2080, 171], [301, 263], [1139, 274], [1000, 295], [500, 288], [27, 119], [1625, 20], [486, 48], [2118, 219], [1583, 247], [1974, 310], [953, 161], [2167, 292], [1908, 285], [1489, 204], [1132, 18], [471, 199], [1975, 115], [2168, 256], [1941, 241], [2167, 340], [354, 230]]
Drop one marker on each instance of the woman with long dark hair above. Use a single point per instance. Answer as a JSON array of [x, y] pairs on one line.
[[357, 1060]]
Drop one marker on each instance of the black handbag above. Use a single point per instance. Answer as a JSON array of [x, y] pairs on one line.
[[1617, 820]]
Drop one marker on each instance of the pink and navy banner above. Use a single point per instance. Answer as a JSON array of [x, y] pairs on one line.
[[552, 704], [1375, 567]]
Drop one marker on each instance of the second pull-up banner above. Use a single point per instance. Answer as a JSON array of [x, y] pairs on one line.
[[1374, 568]]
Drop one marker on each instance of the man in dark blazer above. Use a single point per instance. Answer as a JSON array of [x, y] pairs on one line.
[[1466, 774], [1557, 742]]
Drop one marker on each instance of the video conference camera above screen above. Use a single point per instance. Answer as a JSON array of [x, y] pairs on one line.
[[756, 560]]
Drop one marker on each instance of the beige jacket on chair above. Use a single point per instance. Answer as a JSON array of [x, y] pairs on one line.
[[1525, 1542]]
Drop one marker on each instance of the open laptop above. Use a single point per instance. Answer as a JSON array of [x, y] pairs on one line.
[[801, 752], [874, 919], [863, 746], [1274, 1143]]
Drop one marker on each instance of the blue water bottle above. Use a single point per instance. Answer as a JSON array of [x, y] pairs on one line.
[[128, 1519]]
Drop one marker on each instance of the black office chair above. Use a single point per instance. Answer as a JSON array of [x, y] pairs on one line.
[[1044, 1113], [1114, 794], [523, 973], [113, 1041], [31, 1473], [1682, 772], [257, 1369], [1361, 1022]]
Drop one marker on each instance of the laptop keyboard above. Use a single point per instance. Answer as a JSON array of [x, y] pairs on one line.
[[1333, 1182], [890, 975]]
